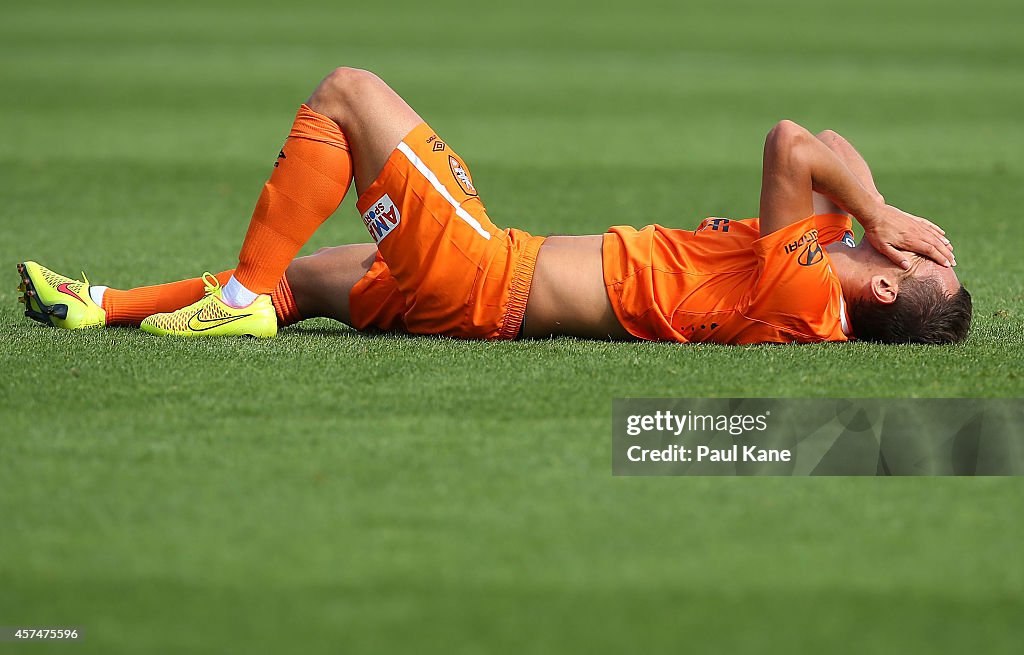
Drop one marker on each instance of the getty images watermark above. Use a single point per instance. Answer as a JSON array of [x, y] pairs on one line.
[[668, 422], [780, 436]]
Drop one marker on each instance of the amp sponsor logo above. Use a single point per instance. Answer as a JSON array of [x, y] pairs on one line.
[[381, 218]]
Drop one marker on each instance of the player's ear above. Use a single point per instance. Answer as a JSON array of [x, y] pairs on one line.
[[884, 289]]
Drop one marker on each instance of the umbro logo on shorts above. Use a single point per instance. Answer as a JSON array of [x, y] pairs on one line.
[[381, 218], [438, 143]]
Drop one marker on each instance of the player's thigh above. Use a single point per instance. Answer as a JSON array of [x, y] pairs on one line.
[[372, 115], [439, 244]]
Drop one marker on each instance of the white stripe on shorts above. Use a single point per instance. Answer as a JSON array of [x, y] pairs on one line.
[[429, 174]]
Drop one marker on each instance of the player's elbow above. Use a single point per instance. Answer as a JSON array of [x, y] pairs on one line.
[[787, 143], [787, 133]]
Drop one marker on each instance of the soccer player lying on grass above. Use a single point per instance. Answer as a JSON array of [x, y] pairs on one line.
[[440, 266]]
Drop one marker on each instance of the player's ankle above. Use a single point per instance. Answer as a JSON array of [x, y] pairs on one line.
[[235, 294], [96, 294]]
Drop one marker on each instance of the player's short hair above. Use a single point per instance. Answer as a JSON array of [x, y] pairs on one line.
[[921, 313]]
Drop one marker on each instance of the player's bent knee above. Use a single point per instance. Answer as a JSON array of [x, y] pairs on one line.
[[347, 80]]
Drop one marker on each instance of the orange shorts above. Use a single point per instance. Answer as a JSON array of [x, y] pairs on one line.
[[442, 266]]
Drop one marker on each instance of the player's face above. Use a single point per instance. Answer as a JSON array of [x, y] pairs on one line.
[[921, 267]]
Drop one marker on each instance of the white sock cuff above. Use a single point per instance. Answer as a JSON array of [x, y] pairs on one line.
[[235, 294], [96, 293]]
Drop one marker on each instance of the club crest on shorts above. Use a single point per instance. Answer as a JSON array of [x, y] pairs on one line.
[[462, 176], [381, 218]]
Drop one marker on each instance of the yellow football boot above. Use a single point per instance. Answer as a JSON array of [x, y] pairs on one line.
[[58, 301], [212, 317]]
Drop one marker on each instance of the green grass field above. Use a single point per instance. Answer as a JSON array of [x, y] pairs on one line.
[[333, 492]]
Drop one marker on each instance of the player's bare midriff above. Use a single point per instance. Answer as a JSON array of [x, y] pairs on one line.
[[568, 295]]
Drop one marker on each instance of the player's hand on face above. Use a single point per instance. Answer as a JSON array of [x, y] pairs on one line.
[[894, 233]]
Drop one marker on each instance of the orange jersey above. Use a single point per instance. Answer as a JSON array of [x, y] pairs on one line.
[[724, 283]]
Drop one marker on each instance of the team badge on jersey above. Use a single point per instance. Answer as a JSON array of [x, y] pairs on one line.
[[382, 218], [462, 176]]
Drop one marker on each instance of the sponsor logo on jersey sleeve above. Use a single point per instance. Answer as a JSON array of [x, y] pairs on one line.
[[807, 245], [381, 218], [811, 254]]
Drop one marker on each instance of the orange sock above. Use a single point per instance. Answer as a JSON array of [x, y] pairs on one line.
[[310, 178], [284, 303], [131, 306]]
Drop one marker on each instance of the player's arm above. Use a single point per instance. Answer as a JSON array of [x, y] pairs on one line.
[[796, 165], [854, 161]]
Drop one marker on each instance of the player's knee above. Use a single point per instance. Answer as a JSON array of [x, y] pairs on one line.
[[342, 90], [346, 81]]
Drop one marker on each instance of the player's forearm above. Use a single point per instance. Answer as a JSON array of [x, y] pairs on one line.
[[833, 177], [851, 158], [891, 231], [795, 163], [795, 160]]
